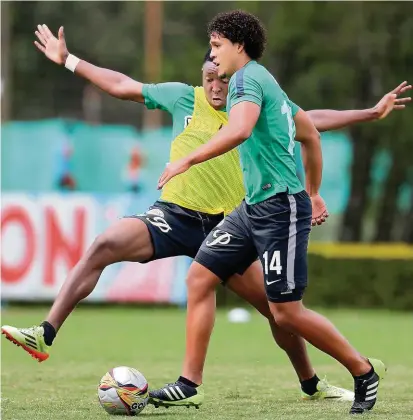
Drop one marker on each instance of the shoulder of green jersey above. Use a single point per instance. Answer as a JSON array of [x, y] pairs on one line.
[[188, 93]]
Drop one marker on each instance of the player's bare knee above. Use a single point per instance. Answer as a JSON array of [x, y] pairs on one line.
[[285, 314], [195, 284], [280, 318], [103, 250], [198, 288]]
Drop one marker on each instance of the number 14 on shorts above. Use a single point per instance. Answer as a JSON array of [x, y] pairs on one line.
[[275, 262]]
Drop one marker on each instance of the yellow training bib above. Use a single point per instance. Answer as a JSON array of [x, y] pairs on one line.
[[211, 187]]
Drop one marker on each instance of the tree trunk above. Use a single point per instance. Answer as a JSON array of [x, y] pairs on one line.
[[92, 104], [153, 56], [6, 62], [388, 205], [363, 150], [408, 223]]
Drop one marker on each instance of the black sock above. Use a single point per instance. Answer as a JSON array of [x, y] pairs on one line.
[[49, 332], [366, 375], [309, 386], [187, 382]]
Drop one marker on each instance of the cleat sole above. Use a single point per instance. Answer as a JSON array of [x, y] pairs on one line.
[[159, 403], [40, 357]]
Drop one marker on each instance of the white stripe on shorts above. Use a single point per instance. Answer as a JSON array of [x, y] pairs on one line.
[[292, 242]]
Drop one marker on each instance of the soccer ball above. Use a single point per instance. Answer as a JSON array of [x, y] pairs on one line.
[[123, 390]]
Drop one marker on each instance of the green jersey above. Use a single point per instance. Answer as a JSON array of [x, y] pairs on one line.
[[176, 98], [267, 156]]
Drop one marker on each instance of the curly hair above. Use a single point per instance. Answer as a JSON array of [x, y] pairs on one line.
[[242, 28], [207, 56]]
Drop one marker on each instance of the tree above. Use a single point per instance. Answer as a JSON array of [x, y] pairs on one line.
[[324, 54]]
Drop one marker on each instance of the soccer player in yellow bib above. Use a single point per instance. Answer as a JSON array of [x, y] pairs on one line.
[[189, 208]]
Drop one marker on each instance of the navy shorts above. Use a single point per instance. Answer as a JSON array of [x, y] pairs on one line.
[[176, 230], [277, 231]]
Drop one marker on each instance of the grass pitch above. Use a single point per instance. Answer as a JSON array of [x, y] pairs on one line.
[[247, 376]]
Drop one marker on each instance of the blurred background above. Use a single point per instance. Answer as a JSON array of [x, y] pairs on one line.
[[73, 159]]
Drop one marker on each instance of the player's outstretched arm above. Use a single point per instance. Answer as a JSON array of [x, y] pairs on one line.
[[242, 119], [114, 83], [327, 119], [309, 137]]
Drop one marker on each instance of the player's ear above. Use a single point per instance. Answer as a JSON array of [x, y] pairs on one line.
[[240, 48]]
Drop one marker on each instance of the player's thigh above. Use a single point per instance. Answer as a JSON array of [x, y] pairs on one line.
[[281, 228], [127, 239], [227, 247], [250, 287], [173, 230]]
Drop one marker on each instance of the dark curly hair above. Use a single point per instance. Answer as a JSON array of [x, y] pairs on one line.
[[207, 56], [242, 28]]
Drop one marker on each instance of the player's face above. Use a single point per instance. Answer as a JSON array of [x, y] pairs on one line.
[[224, 54], [215, 88]]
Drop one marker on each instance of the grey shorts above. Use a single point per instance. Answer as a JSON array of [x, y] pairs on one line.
[[275, 230]]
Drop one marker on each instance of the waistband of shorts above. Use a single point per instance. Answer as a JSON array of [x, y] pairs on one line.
[[284, 194], [194, 213]]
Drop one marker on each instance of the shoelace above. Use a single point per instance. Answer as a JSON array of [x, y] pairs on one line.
[[171, 384], [323, 384], [29, 330]]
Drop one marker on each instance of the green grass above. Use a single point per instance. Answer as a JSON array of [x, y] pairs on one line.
[[247, 376]]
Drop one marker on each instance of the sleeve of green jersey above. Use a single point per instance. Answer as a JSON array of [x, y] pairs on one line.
[[164, 95], [294, 108], [244, 88]]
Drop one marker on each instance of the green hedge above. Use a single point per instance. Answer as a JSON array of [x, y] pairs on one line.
[[363, 283]]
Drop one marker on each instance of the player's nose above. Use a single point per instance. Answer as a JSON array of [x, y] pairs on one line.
[[216, 88]]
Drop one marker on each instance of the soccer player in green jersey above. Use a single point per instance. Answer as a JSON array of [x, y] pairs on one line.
[[274, 220], [187, 210]]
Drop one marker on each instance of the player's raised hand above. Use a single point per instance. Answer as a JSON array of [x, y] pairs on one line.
[[53, 48], [320, 212], [173, 169], [392, 101]]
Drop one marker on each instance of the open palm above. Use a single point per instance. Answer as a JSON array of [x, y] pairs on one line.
[[392, 101], [53, 48]]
